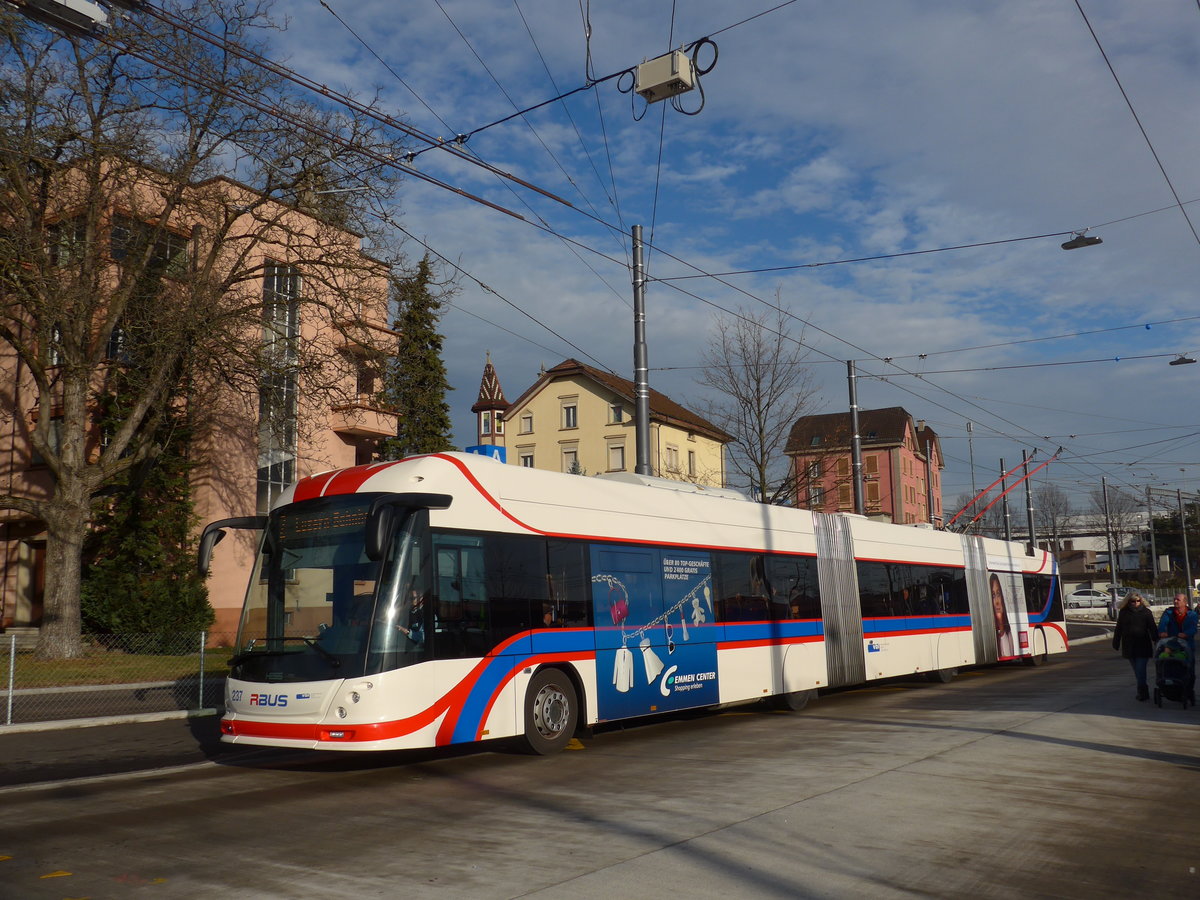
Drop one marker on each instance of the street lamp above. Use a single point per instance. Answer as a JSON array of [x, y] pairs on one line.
[[1081, 239], [1181, 361]]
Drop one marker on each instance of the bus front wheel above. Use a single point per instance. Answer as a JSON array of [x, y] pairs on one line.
[[551, 712]]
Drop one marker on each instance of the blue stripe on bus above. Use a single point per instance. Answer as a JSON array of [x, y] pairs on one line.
[[772, 631], [499, 669], [916, 623]]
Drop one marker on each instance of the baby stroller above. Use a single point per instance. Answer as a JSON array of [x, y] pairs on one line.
[[1173, 673]]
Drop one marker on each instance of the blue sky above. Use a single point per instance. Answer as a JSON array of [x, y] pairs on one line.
[[828, 131]]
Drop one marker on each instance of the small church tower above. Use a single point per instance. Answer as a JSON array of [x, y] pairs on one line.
[[489, 409]]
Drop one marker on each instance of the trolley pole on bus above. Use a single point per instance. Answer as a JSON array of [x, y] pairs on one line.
[[641, 367]]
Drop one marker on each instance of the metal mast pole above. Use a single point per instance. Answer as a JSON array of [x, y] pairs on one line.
[[1153, 550], [1187, 563], [860, 506], [1112, 560], [929, 478], [1028, 502], [641, 367], [971, 456], [1004, 501]]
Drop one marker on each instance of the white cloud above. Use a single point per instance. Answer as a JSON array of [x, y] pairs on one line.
[[829, 132]]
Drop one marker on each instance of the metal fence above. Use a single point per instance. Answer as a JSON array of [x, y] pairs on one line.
[[117, 675]]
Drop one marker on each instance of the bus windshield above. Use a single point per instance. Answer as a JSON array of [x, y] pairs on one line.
[[317, 608]]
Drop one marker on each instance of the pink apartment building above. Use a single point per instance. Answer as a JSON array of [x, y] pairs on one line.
[[316, 289], [902, 464]]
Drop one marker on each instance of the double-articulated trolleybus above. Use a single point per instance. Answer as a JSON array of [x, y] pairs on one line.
[[451, 598]]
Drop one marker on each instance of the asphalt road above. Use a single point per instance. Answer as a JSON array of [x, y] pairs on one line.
[[1009, 782]]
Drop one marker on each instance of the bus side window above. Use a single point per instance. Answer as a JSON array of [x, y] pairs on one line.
[[795, 591], [569, 584], [515, 584], [742, 589]]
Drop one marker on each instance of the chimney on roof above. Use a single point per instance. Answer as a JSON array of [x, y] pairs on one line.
[[920, 424]]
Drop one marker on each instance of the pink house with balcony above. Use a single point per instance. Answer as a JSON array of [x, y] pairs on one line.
[[315, 286]]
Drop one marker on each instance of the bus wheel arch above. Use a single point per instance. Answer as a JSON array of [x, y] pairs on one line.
[[942, 676], [1038, 646], [552, 707]]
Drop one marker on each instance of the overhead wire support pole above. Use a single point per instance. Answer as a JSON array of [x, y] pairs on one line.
[[1028, 502], [641, 366], [1108, 540], [1187, 563], [1004, 489], [860, 506]]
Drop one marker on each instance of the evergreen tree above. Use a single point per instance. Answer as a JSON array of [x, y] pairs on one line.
[[415, 382], [140, 575]]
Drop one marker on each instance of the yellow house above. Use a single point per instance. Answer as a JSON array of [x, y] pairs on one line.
[[576, 418]]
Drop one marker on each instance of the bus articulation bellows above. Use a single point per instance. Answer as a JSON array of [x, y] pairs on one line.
[[450, 598]]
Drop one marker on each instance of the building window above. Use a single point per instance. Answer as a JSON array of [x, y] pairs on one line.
[[526, 458], [816, 497], [843, 467], [498, 423], [485, 422], [68, 241], [366, 381], [570, 460], [871, 465], [616, 457], [816, 441], [54, 354], [616, 413], [277, 398], [169, 256], [570, 415], [527, 423], [691, 463], [814, 471], [844, 495], [873, 495], [672, 458]]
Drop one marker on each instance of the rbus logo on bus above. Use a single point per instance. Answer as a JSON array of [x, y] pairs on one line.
[[268, 699]]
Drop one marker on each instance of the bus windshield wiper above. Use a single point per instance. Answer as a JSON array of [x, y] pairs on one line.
[[250, 652]]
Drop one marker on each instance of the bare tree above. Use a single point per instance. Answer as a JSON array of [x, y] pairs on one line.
[[1053, 512], [990, 521], [1125, 511], [757, 368], [146, 182]]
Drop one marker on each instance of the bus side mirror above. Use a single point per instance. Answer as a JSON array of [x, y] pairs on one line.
[[379, 529], [215, 531], [384, 515]]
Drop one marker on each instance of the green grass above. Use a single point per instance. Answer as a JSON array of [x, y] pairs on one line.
[[103, 666]]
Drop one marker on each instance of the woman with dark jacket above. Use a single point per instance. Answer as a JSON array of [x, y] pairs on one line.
[[1135, 637]]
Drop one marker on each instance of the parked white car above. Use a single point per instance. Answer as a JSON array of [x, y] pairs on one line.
[[1086, 598]]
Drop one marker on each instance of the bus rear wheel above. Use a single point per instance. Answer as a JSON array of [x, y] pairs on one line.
[[551, 712], [942, 676], [793, 701]]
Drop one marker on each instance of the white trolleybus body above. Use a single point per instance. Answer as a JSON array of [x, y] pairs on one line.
[[451, 598]]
